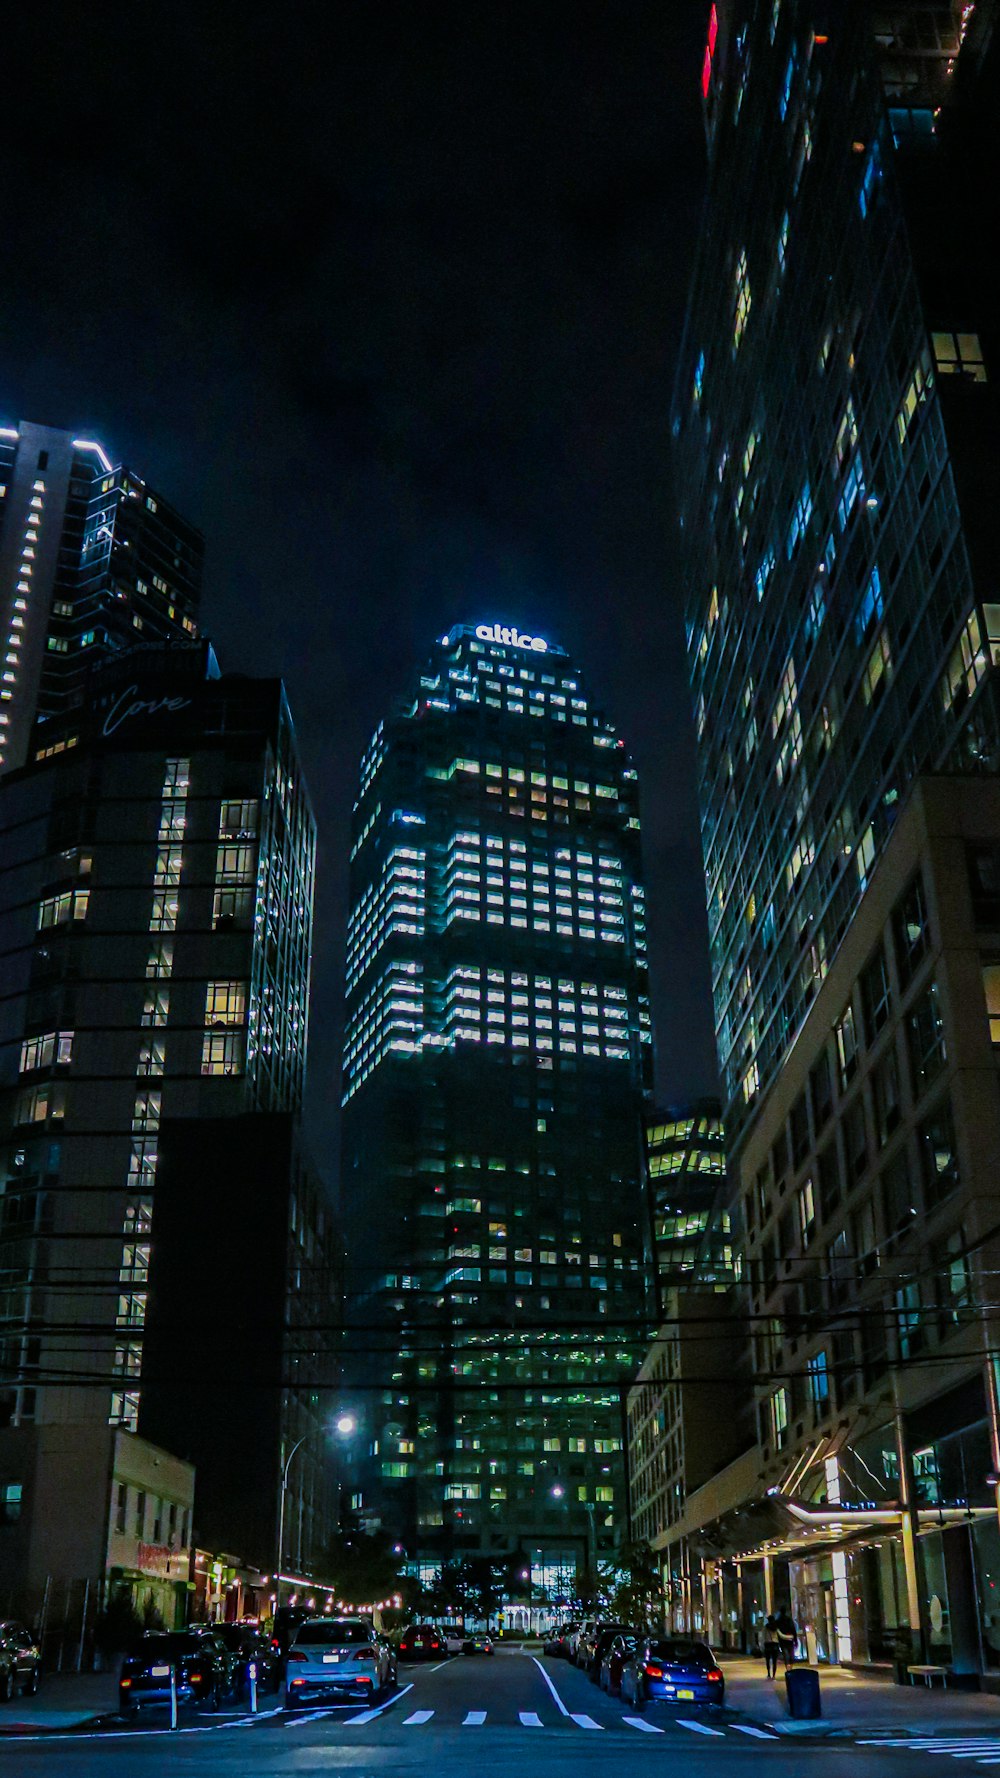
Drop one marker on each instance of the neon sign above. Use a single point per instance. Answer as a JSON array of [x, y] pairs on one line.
[[511, 638]]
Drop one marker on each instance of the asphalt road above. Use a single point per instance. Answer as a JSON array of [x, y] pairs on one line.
[[510, 1714]]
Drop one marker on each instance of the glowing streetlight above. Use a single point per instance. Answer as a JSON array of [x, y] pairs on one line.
[[345, 1424]]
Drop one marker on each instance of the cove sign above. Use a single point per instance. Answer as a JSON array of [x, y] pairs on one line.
[[512, 638]]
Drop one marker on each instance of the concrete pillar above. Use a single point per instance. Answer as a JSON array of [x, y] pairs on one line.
[[768, 1586], [909, 1522]]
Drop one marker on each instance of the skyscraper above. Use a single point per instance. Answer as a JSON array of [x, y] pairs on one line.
[[155, 942], [833, 424], [497, 1053], [92, 561]]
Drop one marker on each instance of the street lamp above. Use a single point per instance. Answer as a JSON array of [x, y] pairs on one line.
[[344, 1424]]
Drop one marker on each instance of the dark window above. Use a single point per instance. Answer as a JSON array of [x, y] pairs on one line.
[[798, 1130], [121, 1508], [332, 1632], [855, 1139], [954, 1283], [939, 1156], [779, 1160], [910, 1325], [821, 1088], [11, 1498], [875, 994], [43, 459], [984, 882], [874, 1345], [140, 1514], [885, 1082], [839, 1266], [911, 928], [829, 1179], [899, 1192], [925, 1031]]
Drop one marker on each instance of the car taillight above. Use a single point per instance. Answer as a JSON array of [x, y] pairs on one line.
[[652, 1672], [714, 1675], [195, 1678], [295, 1654], [126, 1682]]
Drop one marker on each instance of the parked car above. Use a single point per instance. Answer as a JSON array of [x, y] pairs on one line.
[[479, 1643], [338, 1655], [582, 1629], [454, 1638], [672, 1669], [20, 1659], [422, 1642], [558, 1640], [204, 1669], [248, 1644], [602, 1640], [587, 1641], [286, 1621], [613, 1659]]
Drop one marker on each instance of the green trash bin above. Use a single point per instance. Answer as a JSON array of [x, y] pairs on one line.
[[802, 1686]]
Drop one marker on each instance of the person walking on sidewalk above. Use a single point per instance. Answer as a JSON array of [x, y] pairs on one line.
[[772, 1647], [787, 1635]]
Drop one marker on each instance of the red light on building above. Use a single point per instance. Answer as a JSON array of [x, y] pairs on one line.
[[713, 30], [706, 66], [706, 74]]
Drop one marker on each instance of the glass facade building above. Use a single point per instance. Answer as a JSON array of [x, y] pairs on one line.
[[92, 561], [833, 424], [686, 1157], [497, 1055]]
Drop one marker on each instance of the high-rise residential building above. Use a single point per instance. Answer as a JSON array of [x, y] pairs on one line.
[[835, 433], [92, 561], [837, 451], [497, 1055], [155, 938]]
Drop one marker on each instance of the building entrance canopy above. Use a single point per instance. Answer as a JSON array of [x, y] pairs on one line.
[[781, 1525]]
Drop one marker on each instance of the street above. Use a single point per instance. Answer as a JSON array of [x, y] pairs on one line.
[[510, 1713]]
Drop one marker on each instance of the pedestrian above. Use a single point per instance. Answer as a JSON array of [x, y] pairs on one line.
[[787, 1635], [772, 1647]]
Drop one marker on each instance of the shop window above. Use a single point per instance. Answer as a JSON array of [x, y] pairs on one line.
[[939, 1157], [925, 1034]]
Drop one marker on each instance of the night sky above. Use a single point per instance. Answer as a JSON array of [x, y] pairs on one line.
[[387, 299]]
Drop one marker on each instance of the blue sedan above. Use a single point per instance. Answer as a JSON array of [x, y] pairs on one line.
[[672, 1670]]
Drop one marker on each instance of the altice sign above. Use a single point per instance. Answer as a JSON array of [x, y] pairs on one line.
[[511, 638]]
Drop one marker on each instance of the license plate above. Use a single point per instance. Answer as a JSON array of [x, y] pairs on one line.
[[160, 1672], [328, 1658], [683, 1694]]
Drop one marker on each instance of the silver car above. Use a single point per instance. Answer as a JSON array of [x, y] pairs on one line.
[[337, 1656]]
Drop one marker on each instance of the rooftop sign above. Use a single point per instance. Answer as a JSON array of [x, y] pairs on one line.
[[510, 638]]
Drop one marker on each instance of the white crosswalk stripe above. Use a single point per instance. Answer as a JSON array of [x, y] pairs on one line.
[[747, 1728], [637, 1722], [475, 1719], [530, 1719], [698, 1728], [418, 1716], [584, 1722]]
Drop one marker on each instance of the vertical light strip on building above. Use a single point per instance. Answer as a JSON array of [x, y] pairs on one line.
[[134, 1270]]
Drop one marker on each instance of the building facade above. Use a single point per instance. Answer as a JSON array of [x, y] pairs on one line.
[[496, 1061], [835, 433], [837, 443], [686, 1158], [155, 937], [92, 561]]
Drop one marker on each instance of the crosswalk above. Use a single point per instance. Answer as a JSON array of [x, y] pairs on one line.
[[530, 1719], [984, 1749]]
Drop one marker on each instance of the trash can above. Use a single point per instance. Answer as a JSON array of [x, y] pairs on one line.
[[802, 1686]]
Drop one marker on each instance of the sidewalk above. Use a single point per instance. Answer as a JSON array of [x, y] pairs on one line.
[[62, 1701], [859, 1704]]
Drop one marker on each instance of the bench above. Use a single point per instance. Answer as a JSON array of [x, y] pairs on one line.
[[928, 1675]]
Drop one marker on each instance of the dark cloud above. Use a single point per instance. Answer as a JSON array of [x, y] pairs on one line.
[[386, 297]]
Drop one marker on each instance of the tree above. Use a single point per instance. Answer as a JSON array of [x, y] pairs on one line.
[[636, 1587], [119, 1626], [364, 1566]]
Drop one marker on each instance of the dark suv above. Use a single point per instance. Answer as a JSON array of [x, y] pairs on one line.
[[20, 1658], [248, 1645], [204, 1668]]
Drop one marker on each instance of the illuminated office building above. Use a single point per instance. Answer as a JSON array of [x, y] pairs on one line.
[[496, 1059], [92, 561], [155, 937], [836, 452], [686, 1153]]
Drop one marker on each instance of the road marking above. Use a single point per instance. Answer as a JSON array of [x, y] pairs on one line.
[[747, 1728], [417, 1717], [441, 1664], [380, 1709], [475, 1719], [638, 1722], [698, 1728], [551, 1687], [585, 1722], [530, 1719]]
